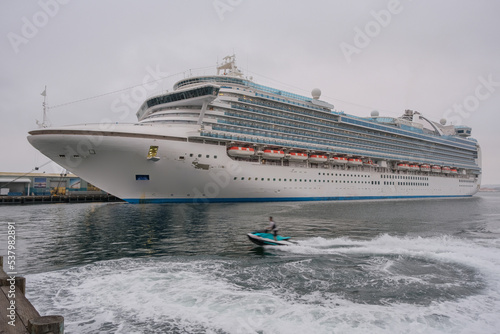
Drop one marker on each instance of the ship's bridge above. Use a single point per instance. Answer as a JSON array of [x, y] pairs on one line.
[[463, 130], [197, 96], [244, 84]]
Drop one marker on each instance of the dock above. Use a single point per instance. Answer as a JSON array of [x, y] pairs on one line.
[[48, 199], [18, 315], [46, 188]]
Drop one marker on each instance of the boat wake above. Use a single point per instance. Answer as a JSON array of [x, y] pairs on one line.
[[386, 284]]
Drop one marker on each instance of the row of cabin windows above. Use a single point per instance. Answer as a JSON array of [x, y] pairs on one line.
[[200, 155], [405, 177], [351, 175], [412, 184], [305, 180]]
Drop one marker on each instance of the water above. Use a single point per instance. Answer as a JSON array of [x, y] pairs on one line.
[[419, 266]]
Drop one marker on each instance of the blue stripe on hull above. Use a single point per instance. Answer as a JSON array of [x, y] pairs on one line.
[[274, 199]]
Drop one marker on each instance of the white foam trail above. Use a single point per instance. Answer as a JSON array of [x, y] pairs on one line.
[[162, 295], [483, 255], [441, 248]]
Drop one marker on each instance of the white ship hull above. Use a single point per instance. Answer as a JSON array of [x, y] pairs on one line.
[[282, 147], [184, 171]]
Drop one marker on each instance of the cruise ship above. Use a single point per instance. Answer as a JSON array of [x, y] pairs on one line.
[[225, 138]]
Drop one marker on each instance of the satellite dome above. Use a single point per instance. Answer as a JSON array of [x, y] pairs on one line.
[[316, 93], [442, 121], [374, 113]]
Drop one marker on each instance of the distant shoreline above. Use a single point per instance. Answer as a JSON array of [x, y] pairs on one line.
[[490, 188]]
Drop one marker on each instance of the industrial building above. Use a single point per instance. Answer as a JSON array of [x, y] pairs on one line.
[[43, 184]]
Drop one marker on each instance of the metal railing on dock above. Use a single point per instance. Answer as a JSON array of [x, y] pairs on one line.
[[17, 314], [47, 199]]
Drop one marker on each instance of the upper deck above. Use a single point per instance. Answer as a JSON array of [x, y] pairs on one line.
[[227, 105]]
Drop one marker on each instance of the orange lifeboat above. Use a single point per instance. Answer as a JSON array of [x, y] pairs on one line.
[[338, 160], [354, 162], [273, 154], [414, 167], [240, 151], [436, 169], [445, 170], [425, 168], [403, 166], [297, 156], [453, 171], [318, 158]]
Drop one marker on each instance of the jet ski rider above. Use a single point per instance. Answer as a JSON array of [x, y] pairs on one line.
[[272, 227]]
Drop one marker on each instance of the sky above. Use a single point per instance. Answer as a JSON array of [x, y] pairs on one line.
[[101, 59]]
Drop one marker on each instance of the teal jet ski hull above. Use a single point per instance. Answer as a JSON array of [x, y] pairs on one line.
[[263, 239]]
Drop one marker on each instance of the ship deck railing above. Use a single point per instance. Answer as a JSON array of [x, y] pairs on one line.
[[428, 137], [257, 139], [333, 124], [291, 110], [377, 138], [369, 123], [458, 162]]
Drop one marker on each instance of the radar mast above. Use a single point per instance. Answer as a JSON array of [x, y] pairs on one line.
[[228, 67]]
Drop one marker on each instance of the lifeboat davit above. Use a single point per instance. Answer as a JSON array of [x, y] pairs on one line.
[[436, 169], [297, 156], [425, 168], [338, 160], [240, 151], [273, 154], [354, 162], [403, 166], [318, 158], [446, 170]]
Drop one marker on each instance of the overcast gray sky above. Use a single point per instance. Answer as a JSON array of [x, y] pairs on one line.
[[438, 57]]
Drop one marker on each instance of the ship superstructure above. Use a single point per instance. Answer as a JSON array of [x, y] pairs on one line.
[[226, 138]]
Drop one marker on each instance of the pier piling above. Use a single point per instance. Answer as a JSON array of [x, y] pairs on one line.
[[53, 324], [18, 315]]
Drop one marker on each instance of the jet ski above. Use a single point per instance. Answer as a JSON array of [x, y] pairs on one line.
[[262, 238]]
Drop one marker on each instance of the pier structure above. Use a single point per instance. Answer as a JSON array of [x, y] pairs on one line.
[[46, 188], [18, 315], [41, 184]]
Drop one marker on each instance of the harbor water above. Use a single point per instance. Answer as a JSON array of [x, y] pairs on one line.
[[414, 266]]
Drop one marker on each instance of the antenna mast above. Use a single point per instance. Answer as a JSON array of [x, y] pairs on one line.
[[44, 122]]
